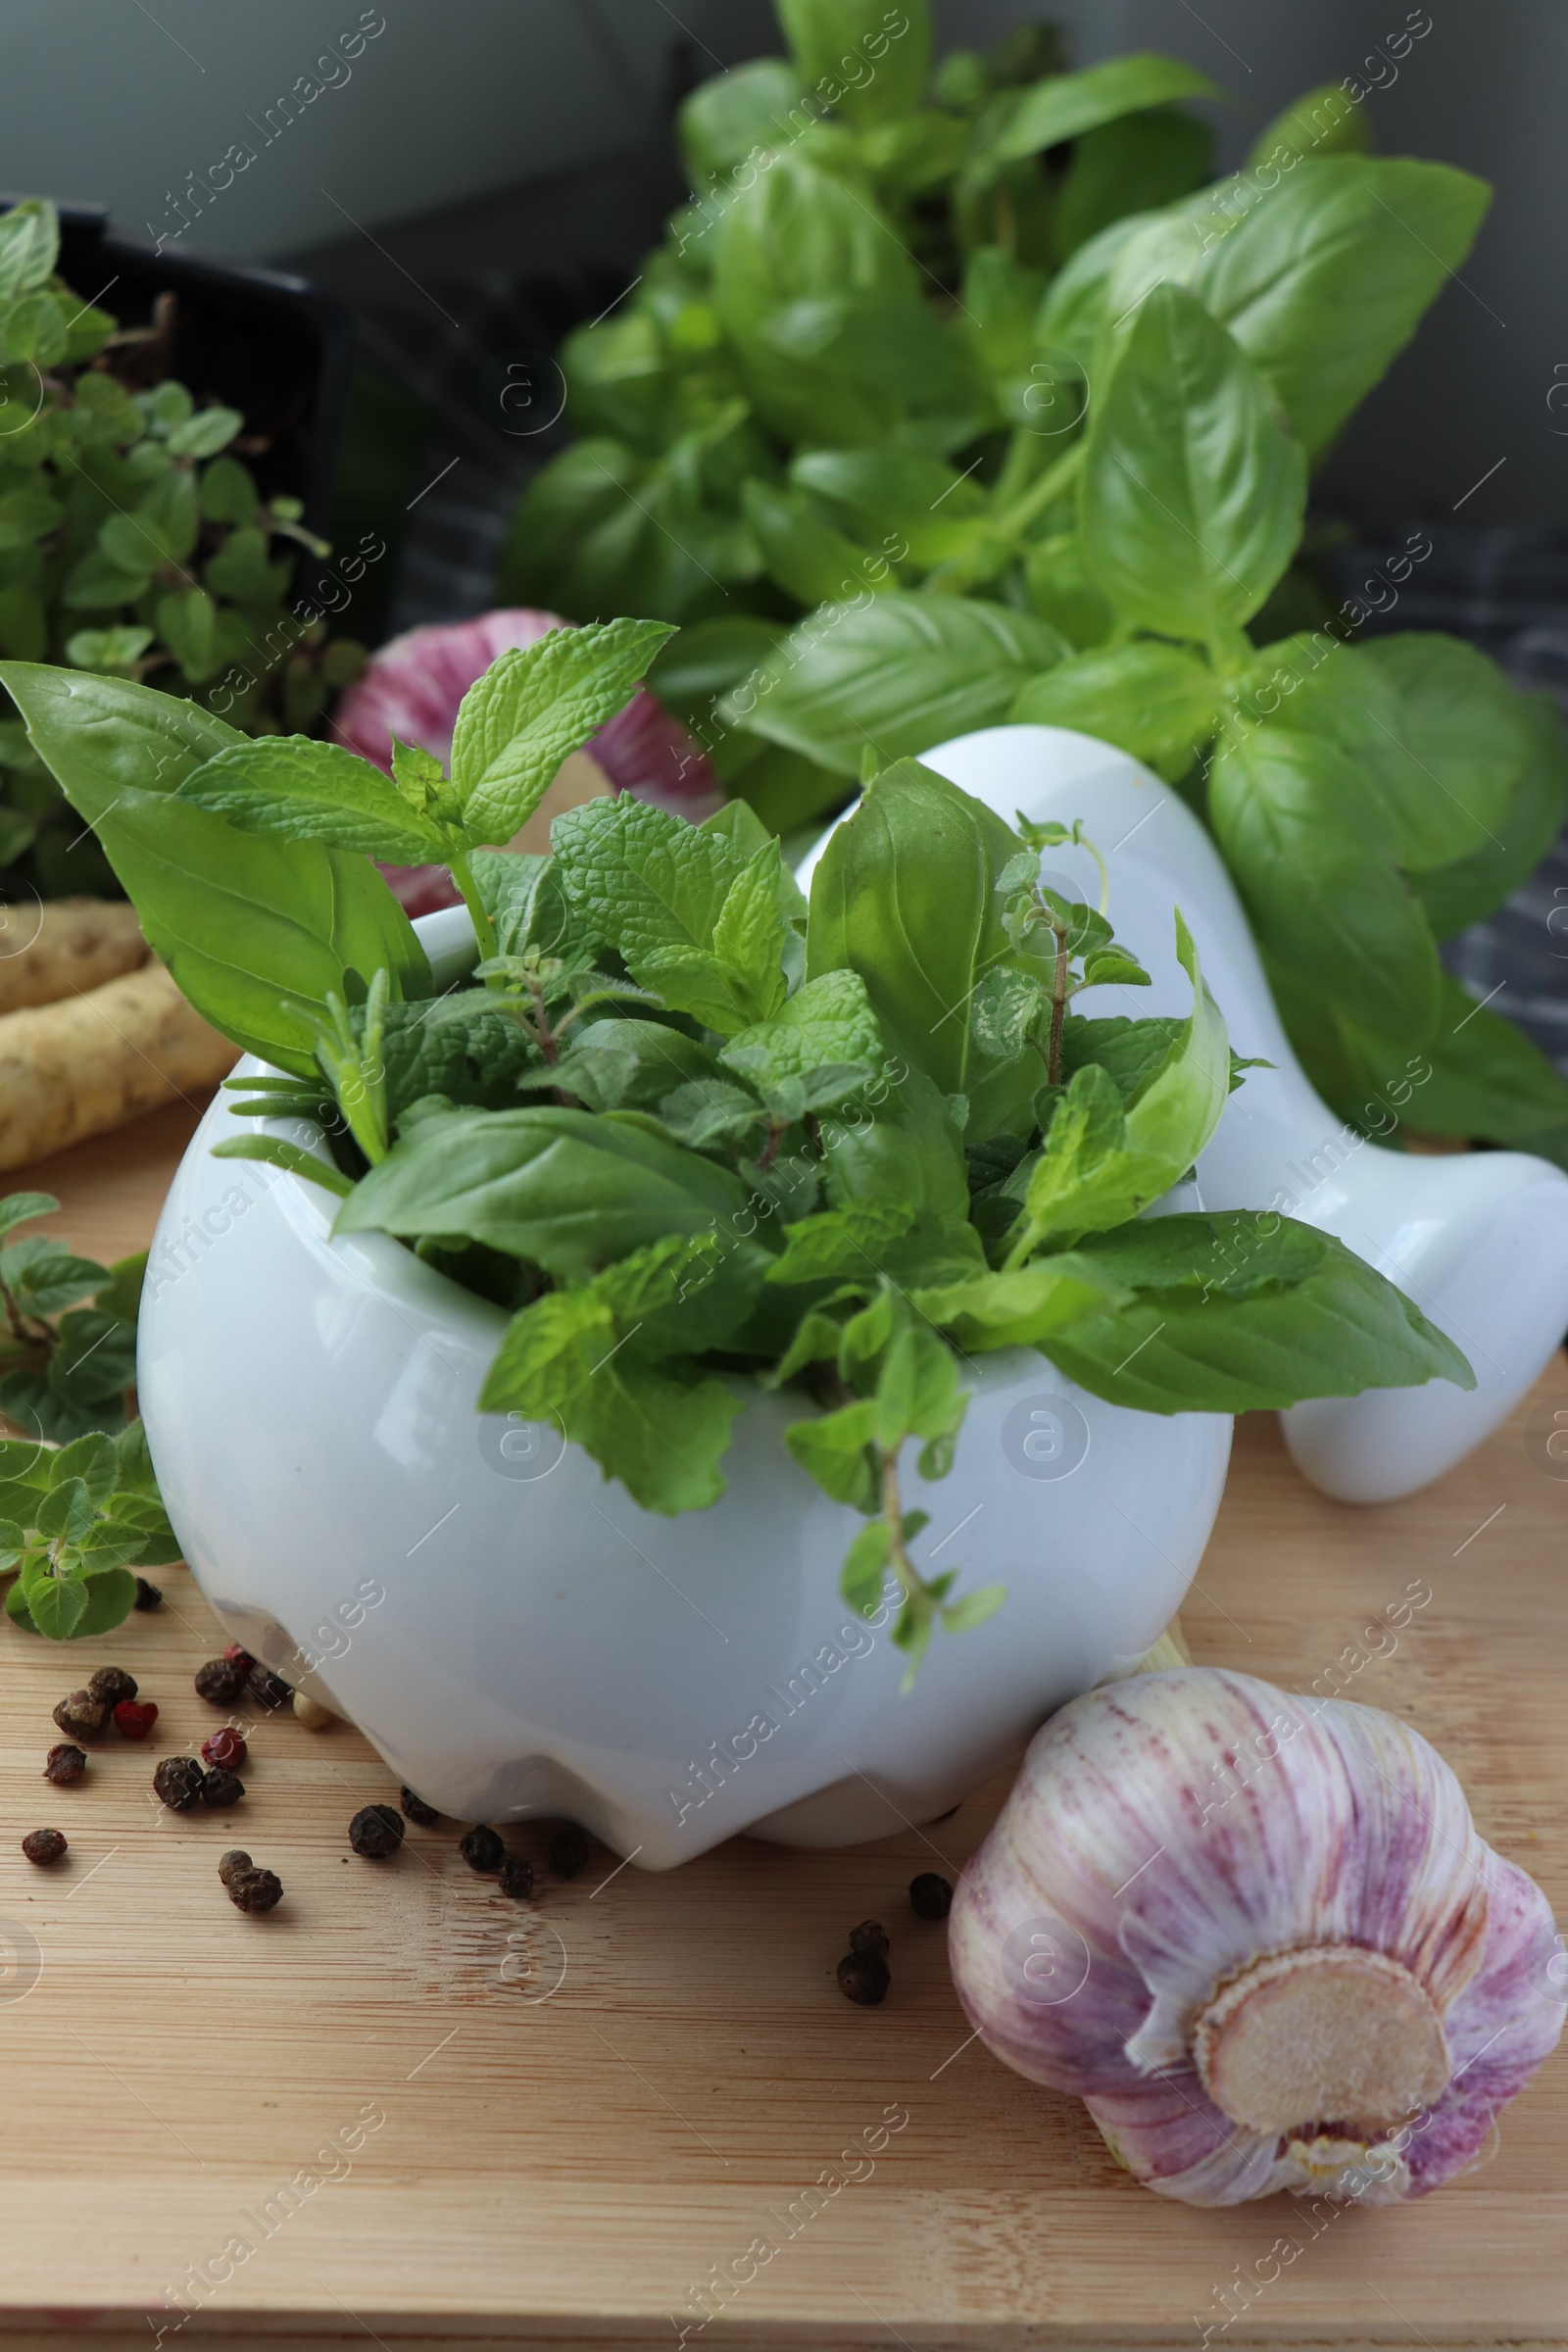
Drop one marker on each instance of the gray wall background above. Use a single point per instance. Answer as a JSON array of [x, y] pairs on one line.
[[458, 101]]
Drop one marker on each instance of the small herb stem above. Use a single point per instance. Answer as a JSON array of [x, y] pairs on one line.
[[484, 929], [909, 1578], [1059, 1005]]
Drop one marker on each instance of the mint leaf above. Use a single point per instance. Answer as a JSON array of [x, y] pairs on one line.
[[835, 1449], [643, 878], [308, 791], [827, 1022], [532, 706], [1020, 1310]]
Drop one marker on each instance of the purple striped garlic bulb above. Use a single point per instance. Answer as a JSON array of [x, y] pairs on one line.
[[413, 685], [1258, 1936]]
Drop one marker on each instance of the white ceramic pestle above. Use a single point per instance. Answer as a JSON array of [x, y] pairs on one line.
[[1478, 1240]]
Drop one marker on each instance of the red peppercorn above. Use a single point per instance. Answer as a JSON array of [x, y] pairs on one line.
[[225, 1748], [65, 1764], [238, 1655], [134, 1717], [44, 1846]]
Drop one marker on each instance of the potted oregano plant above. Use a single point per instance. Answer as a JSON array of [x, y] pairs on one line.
[[745, 1221]]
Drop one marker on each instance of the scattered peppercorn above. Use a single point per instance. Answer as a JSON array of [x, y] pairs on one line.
[[569, 1850], [931, 1895], [865, 1977], [235, 1860], [516, 1878], [869, 1937], [418, 1810], [375, 1831], [111, 1683], [222, 1788], [238, 1655], [178, 1781], [269, 1691], [225, 1748], [255, 1890], [65, 1764], [312, 1713], [44, 1846], [219, 1681], [82, 1716], [134, 1717], [148, 1596], [481, 1849]]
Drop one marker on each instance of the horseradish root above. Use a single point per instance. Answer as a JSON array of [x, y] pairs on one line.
[[1258, 1936], [94, 1061], [59, 950]]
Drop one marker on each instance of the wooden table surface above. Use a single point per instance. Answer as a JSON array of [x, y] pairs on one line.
[[403, 2110]]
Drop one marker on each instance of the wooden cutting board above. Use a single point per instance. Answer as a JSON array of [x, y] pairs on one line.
[[404, 2110]]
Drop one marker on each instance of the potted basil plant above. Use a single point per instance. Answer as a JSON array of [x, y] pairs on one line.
[[793, 1255]]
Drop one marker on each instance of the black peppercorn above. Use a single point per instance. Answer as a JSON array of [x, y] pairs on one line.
[[569, 1850], [255, 1890], [865, 1977], [481, 1849], [931, 1895], [222, 1788], [375, 1831], [148, 1596], [44, 1846], [219, 1681], [83, 1716], [516, 1878], [65, 1764], [269, 1691], [418, 1810], [111, 1683], [869, 1937], [234, 1861], [178, 1781]]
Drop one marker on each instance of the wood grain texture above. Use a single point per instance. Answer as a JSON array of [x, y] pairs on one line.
[[593, 2106]]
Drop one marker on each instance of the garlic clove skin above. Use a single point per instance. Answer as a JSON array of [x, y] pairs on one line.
[[1208, 1903]]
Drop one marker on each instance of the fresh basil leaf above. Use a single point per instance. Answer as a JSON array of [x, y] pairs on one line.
[[1064, 106], [566, 1189], [1176, 1108], [904, 895], [1235, 1313], [890, 496], [1193, 492], [1457, 896], [1325, 280], [808, 557], [1322, 121], [1487, 1081], [897, 675], [1134, 164], [868, 61], [1312, 854], [727, 118], [533, 706], [1020, 1310], [255, 931], [306, 790], [1463, 742], [1154, 700]]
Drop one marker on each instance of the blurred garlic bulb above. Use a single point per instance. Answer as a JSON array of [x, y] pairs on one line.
[[1259, 1938]]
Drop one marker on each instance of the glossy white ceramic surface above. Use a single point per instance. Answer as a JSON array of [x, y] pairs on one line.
[[518, 1638], [1479, 1241]]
